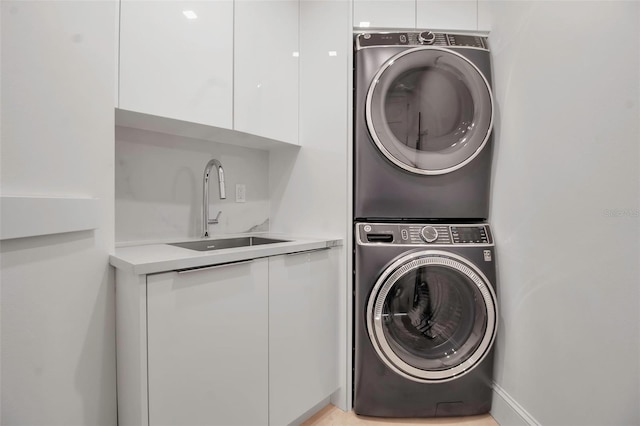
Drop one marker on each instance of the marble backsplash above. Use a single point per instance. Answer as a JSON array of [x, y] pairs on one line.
[[158, 188]]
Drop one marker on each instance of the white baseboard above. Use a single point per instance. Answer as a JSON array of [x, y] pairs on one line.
[[507, 412], [339, 399], [310, 412]]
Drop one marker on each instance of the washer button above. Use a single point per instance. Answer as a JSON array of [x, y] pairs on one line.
[[429, 234], [427, 37]]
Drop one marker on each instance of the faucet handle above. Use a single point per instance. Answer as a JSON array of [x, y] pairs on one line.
[[214, 221]]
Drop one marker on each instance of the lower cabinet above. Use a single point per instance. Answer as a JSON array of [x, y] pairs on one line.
[[245, 343], [303, 332], [208, 345]]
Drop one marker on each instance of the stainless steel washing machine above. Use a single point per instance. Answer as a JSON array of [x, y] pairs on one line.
[[425, 319], [423, 120]]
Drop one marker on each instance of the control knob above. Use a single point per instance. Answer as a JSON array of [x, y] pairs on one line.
[[426, 37], [429, 234]]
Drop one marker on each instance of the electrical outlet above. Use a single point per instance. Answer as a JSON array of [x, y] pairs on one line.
[[241, 193]]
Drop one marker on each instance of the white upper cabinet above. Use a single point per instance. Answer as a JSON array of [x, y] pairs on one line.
[[485, 14], [176, 60], [384, 13], [266, 68], [447, 14], [422, 14]]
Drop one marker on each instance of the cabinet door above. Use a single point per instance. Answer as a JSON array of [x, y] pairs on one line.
[[384, 13], [207, 346], [266, 68], [176, 59], [485, 14], [447, 14], [303, 332]]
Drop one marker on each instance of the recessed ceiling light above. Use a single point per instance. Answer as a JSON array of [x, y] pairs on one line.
[[190, 14]]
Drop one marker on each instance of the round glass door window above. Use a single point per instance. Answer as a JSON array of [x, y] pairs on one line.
[[432, 316], [429, 110]]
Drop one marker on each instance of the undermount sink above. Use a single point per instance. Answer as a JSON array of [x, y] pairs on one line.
[[225, 243]]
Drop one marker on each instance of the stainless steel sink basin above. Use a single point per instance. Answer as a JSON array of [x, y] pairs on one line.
[[225, 243]]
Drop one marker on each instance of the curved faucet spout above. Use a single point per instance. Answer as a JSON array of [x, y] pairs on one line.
[[205, 194]]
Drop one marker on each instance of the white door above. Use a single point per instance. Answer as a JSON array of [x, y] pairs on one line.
[[176, 60], [266, 56], [208, 347], [303, 332]]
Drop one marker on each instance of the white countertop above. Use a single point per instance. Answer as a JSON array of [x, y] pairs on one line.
[[161, 257]]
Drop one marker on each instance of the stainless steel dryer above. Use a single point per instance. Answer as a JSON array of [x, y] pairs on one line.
[[425, 319], [423, 119]]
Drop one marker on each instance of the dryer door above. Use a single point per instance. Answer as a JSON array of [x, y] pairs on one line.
[[429, 110], [432, 316]]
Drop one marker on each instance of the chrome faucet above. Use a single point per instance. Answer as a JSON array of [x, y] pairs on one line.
[[205, 195]]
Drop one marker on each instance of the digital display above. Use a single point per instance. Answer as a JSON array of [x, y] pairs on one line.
[[469, 234], [462, 40]]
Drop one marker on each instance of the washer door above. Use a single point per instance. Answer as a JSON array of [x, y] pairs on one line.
[[432, 316], [429, 110]]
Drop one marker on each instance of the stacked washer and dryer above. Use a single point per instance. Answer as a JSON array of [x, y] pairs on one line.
[[425, 309]]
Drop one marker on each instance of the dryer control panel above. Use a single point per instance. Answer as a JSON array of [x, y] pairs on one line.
[[423, 234], [419, 38]]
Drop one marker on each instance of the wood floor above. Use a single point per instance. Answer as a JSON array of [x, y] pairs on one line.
[[333, 416]]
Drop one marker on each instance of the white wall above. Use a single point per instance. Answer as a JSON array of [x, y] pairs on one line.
[[566, 195], [309, 187], [57, 293], [159, 187]]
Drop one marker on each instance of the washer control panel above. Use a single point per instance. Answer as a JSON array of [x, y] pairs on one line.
[[423, 234], [419, 38]]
